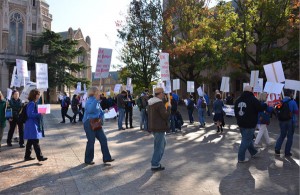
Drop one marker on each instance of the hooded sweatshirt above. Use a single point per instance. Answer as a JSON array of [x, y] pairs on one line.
[[158, 115]]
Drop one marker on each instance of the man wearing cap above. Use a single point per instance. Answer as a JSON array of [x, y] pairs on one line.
[[158, 117], [246, 110]]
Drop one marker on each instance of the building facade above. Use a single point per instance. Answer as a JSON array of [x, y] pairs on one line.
[[107, 84], [20, 22]]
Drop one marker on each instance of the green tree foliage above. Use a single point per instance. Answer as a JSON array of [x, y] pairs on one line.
[[267, 31], [141, 38], [197, 38], [59, 59]]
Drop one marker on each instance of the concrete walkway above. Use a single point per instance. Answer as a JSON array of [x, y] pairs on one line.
[[197, 161]]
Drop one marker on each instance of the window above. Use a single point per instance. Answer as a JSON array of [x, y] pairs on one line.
[[33, 27], [33, 3], [16, 33]]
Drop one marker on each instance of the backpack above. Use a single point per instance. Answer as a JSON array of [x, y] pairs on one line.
[[173, 105], [203, 103], [190, 104], [139, 102], [23, 114], [283, 111]]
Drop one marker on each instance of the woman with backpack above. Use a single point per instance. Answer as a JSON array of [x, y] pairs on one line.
[[263, 121], [201, 106], [190, 108], [16, 105], [34, 129], [218, 110], [74, 106]]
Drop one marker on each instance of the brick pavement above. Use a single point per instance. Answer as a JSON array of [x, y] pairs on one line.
[[198, 161]]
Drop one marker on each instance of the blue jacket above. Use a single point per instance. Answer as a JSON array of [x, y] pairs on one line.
[[92, 109], [293, 107], [34, 123], [218, 106]]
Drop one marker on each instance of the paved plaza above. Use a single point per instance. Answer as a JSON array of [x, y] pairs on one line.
[[197, 161]]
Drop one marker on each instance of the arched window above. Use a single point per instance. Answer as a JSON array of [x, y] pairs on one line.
[[16, 31]]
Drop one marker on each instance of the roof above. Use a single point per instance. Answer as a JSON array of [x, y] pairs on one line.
[[65, 34]]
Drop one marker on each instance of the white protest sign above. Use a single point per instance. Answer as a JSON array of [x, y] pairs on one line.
[[245, 84], [28, 87], [103, 63], [259, 86], [229, 110], [117, 88], [9, 92], [44, 108], [41, 75], [84, 88], [225, 84], [190, 87], [168, 88], [22, 69], [128, 81], [271, 87], [27, 79], [200, 91], [176, 84], [164, 66], [254, 78], [292, 84], [78, 88], [110, 114], [274, 72], [15, 79]]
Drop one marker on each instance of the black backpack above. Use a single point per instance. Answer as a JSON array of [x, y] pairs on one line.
[[283, 111], [203, 103], [22, 114]]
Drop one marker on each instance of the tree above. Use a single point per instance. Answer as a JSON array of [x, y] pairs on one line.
[[59, 59], [141, 38], [197, 38], [267, 31]]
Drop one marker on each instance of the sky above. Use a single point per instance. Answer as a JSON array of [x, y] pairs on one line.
[[95, 18]]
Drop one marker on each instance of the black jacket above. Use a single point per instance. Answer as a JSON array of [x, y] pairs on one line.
[[246, 110]]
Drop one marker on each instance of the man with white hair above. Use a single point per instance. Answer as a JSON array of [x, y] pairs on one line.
[[246, 110]]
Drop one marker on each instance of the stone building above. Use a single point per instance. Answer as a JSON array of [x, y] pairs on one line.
[[107, 84], [20, 22]]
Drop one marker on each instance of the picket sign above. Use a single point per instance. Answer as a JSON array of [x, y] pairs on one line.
[[254, 78], [168, 88], [200, 91], [225, 84], [176, 84], [164, 66], [190, 86], [274, 73], [117, 88]]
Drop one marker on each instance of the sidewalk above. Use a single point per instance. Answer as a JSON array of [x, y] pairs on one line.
[[197, 161]]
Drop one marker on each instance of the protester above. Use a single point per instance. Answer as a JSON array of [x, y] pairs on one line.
[[93, 110], [201, 106], [287, 127], [174, 105], [142, 103], [229, 99], [16, 105], [128, 110], [246, 110], [74, 106], [104, 102], [190, 108], [34, 128], [206, 97], [158, 124], [3, 105], [218, 110], [121, 108], [64, 103], [263, 121]]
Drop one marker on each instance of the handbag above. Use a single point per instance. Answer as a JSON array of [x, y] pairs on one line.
[[8, 113], [96, 124]]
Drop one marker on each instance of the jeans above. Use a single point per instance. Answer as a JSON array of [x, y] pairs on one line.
[[172, 120], [247, 143], [12, 126], [208, 110], [286, 130], [159, 148], [121, 117], [144, 119], [190, 112], [64, 113], [263, 131], [201, 116], [101, 137], [36, 147], [128, 114]]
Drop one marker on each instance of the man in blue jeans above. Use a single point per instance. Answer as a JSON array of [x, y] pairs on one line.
[[287, 126], [246, 110], [121, 108], [158, 117]]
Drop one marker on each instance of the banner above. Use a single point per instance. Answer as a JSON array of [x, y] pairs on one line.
[[110, 114], [22, 69], [225, 84], [164, 66], [190, 87], [274, 72], [41, 75], [176, 84], [103, 63]]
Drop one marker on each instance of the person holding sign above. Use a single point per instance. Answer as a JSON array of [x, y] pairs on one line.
[[15, 104], [246, 109], [218, 109], [3, 105], [158, 117], [34, 129]]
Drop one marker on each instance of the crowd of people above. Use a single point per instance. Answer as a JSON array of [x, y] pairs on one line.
[[159, 115]]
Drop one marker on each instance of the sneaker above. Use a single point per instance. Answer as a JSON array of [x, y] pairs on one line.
[[90, 163], [277, 152], [160, 168], [257, 153], [243, 161], [28, 158], [258, 146]]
